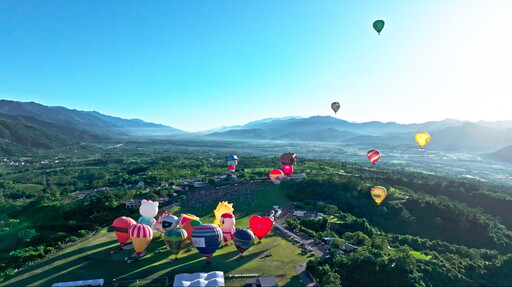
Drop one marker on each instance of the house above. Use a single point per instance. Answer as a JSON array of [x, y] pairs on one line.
[[200, 184], [299, 214]]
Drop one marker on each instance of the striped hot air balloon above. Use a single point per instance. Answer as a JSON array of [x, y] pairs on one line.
[[141, 236], [175, 238], [121, 225], [206, 238], [373, 155]]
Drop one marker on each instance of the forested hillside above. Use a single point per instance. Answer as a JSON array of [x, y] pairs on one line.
[[429, 231]]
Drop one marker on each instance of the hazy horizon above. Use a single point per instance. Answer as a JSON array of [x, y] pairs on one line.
[[200, 66]]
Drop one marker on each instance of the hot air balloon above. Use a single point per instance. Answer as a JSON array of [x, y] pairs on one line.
[[169, 222], [175, 238], [232, 161], [335, 106], [227, 225], [379, 193], [189, 222], [222, 207], [373, 156], [141, 236], [288, 160], [243, 240], [148, 209], [276, 176], [422, 139], [378, 26], [206, 238], [261, 226], [121, 226]]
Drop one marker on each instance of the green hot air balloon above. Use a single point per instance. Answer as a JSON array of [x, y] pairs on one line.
[[378, 26]]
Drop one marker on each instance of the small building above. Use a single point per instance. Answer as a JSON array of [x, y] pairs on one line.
[[262, 282], [141, 183], [297, 176], [349, 248], [132, 204], [299, 214], [200, 184]]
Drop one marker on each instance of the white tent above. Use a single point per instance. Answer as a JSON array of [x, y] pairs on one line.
[[214, 278], [93, 282]]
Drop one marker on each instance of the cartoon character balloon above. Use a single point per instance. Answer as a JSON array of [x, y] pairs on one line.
[[141, 235], [288, 160], [422, 139], [232, 161], [148, 209], [378, 26], [243, 240], [261, 226], [227, 225], [378, 194], [206, 238], [222, 207], [121, 226], [335, 106], [373, 156], [175, 239], [276, 176]]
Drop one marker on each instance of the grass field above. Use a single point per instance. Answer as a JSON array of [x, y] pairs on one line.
[[91, 259], [420, 256]]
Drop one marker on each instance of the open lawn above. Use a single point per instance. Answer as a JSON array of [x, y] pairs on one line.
[[91, 259]]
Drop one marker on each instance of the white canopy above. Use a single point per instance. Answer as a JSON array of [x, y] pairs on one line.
[[214, 278]]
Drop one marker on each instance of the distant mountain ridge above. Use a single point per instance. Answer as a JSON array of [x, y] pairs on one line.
[[449, 134], [80, 125]]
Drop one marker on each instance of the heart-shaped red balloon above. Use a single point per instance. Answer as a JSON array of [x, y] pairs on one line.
[[261, 226]]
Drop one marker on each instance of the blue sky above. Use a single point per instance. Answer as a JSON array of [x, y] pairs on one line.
[[196, 65]]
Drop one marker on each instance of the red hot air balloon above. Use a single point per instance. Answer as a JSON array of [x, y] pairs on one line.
[[261, 226], [373, 156], [121, 225]]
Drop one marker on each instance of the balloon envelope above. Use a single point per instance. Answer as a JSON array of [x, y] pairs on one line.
[[288, 158], [378, 26], [288, 170], [243, 239], [335, 106], [276, 176], [261, 226], [422, 138], [227, 225], [141, 236], [121, 225], [189, 226], [206, 238], [379, 193], [373, 156], [175, 238], [222, 207]]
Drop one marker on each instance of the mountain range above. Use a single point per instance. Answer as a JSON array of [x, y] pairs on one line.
[[69, 126]]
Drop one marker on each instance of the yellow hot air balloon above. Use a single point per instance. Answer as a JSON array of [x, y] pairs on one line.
[[422, 139], [222, 207], [379, 193]]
